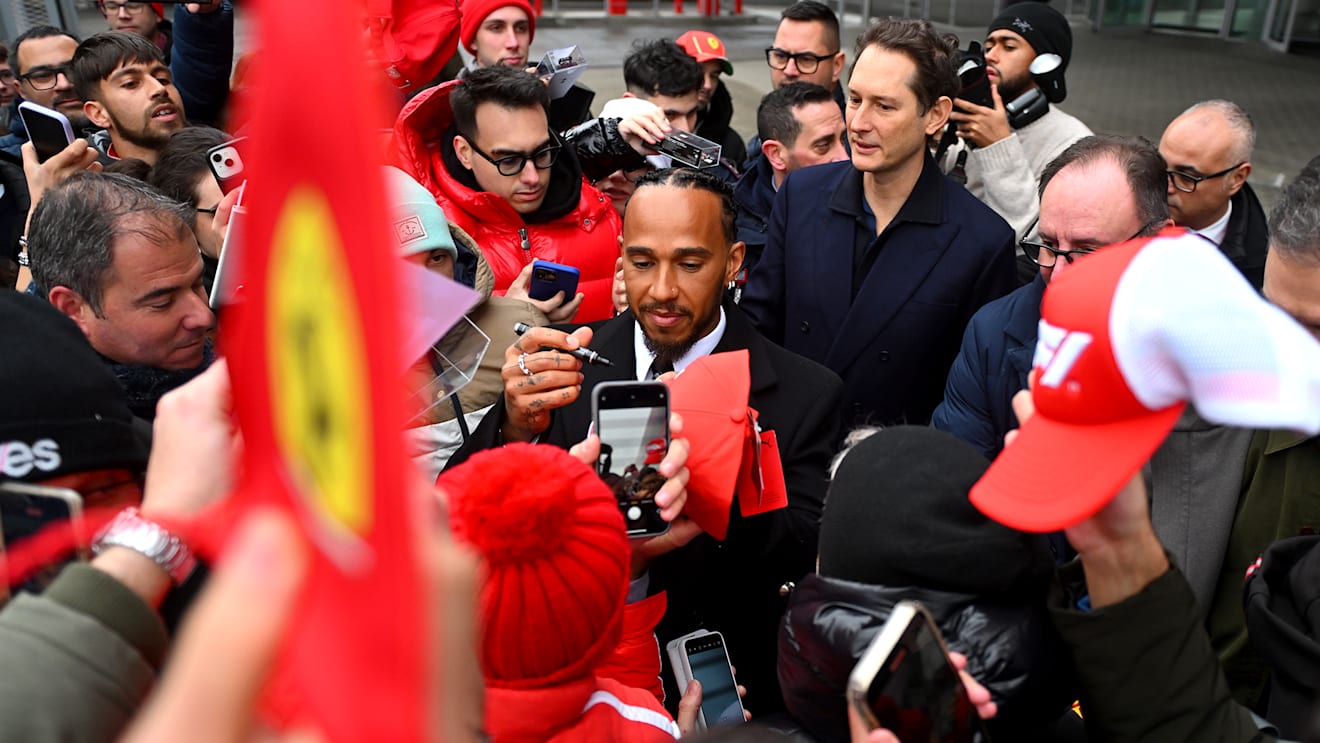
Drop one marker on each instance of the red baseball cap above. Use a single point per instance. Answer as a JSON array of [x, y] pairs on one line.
[[703, 47], [1127, 338]]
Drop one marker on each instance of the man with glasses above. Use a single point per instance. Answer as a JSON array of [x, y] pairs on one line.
[[144, 19], [1101, 190], [1207, 149], [41, 60], [483, 147], [806, 48]]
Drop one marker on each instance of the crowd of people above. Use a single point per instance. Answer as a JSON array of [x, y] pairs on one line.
[[884, 256]]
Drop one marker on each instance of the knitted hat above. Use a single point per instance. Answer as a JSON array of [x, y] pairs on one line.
[[64, 411], [897, 515], [417, 222], [475, 11], [556, 559], [703, 47], [1044, 28]]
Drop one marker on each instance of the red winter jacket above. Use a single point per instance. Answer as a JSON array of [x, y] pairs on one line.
[[586, 237]]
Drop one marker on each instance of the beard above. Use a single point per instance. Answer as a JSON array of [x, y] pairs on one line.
[[667, 352], [1009, 90], [147, 136]]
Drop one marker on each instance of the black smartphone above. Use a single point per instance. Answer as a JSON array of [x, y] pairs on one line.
[[548, 279], [28, 509], [632, 420], [906, 684], [226, 162], [48, 129], [708, 662]]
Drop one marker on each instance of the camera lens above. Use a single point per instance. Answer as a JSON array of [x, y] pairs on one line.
[[217, 157]]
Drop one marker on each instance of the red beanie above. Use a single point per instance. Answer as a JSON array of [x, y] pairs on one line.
[[555, 559], [475, 11], [159, 8]]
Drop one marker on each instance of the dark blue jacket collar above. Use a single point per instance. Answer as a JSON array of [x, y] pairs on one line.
[[925, 204]]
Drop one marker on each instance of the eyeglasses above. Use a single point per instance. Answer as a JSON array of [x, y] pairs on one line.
[[806, 61], [1186, 182], [111, 8], [1047, 256], [210, 211], [542, 159], [44, 78], [6, 76]]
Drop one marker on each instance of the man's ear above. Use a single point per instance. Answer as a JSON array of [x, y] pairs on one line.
[[72, 305], [737, 252], [938, 115], [776, 154], [627, 94], [838, 61], [463, 151], [96, 114], [1238, 178]]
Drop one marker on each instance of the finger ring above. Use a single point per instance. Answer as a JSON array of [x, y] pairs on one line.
[[522, 364]]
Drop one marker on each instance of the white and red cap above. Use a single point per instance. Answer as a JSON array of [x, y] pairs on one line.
[[1127, 338]]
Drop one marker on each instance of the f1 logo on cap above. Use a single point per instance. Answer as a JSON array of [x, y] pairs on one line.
[[1057, 350]]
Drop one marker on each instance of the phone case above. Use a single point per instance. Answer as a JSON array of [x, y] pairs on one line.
[[565, 279], [678, 659]]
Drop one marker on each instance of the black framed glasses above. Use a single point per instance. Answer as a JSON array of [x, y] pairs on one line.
[[1047, 256], [210, 211], [44, 78], [6, 76], [806, 61], [1186, 182], [110, 7], [509, 165]]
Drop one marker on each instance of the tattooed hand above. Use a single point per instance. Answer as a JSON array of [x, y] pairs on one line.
[[545, 380]]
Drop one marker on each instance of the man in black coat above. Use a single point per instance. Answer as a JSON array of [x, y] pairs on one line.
[[679, 254]]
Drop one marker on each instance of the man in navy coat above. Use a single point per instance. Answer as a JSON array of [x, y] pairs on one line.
[[874, 267]]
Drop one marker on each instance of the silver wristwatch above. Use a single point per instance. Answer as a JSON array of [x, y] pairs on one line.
[[130, 530]]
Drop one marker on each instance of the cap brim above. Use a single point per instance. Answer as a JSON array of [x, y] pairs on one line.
[[728, 66], [1056, 475]]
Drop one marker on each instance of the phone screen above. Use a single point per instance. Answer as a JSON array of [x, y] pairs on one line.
[[632, 421], [917, 694], [49, 135], [719, 693], [28, 509]]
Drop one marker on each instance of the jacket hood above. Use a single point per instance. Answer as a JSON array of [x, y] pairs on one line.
[[424, 132], [471, 268], [1011, 649]]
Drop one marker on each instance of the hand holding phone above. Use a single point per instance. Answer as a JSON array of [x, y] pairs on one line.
[[906, 683], [632, 421], [548, 279], [702, 656], [48, 130]]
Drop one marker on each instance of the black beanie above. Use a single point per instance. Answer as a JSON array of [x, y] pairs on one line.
[[897, 515], [1044, 28], [63, 409]]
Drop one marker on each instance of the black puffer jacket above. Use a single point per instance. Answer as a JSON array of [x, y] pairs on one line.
[[1011, 649]]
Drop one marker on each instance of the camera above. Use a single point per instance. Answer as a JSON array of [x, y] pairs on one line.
[[972, 76]]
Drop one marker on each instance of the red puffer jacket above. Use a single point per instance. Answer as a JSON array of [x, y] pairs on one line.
[[585, 237]]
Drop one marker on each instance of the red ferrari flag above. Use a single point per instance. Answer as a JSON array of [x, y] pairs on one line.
[[313, 353]]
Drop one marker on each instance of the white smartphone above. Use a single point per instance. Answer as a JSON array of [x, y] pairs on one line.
[[708, 661], [906, 684], [225, 285], [49, 130]]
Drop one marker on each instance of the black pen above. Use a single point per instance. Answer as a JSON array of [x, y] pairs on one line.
[[586, 355]]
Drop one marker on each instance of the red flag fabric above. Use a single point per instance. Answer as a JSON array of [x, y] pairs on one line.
[[316, 388], [729, 453]]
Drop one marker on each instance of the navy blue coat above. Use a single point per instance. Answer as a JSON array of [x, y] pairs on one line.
[[992, 366], [893, 343]]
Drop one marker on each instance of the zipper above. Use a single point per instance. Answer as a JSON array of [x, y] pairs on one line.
[[526, 244]]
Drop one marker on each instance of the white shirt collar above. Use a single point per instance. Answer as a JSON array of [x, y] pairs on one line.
[[1215, 233], [701, 348]]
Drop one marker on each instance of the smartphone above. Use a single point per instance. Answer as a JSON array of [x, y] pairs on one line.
[[225, 287], [27, 509], [632, 420], [226, 161], [548, 279], [708, 661], [48, 129], [906, 684]]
